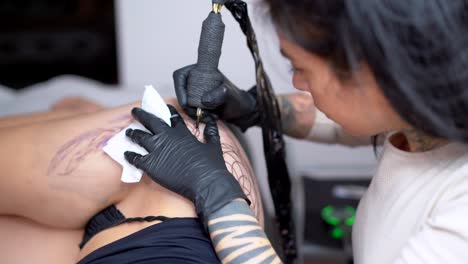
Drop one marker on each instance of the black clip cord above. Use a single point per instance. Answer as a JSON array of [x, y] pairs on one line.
[[273, 143]]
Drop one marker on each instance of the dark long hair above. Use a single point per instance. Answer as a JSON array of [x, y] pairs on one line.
[[417, 50]]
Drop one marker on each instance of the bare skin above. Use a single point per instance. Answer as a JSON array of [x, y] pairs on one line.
[[420, 142], [79, 104], [57, 186], [30, 153]]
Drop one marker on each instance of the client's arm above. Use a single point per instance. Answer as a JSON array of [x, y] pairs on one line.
[[237, 163]]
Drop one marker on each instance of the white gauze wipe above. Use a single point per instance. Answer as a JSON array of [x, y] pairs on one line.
[[153, 103]]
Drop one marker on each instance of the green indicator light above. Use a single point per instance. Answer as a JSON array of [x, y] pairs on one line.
[[337, 233], [327, 216], [350, 221], [328, 210], [332, 221]]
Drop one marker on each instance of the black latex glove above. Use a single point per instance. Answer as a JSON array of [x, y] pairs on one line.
[[228, 102], [182, 164]]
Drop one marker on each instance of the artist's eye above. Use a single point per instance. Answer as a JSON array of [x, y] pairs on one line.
[[295, 70]]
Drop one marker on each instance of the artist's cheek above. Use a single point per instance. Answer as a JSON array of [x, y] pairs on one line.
[[327, 97], [348, 106]]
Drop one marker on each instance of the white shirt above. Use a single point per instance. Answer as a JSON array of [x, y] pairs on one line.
[[416, 208]]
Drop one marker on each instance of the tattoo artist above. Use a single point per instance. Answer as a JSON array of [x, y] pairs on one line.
[[397, 69]]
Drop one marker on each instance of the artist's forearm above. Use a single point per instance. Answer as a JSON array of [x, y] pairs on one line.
[[297, 114], [56, 173], [237, 236]]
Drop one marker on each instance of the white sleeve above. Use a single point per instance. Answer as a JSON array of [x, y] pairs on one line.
[[444, 239], [329, 132]]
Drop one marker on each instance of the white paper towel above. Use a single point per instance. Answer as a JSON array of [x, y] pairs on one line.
[[116, 146]]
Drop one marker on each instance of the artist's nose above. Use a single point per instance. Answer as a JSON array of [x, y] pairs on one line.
[[300, 82]]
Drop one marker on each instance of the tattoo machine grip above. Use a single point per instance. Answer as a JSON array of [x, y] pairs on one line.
[[205, 76]]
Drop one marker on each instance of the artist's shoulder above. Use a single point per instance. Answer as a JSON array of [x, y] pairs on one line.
[[453, 189]]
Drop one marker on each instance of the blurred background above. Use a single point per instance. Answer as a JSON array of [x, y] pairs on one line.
[[108, 50]]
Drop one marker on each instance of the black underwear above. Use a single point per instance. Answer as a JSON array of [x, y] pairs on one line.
[[175, 240], [110, 217]]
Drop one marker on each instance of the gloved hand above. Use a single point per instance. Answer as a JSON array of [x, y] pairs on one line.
[[228, 102], [182, 164]]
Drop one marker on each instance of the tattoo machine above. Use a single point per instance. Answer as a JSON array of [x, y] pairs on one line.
[[205, 76]]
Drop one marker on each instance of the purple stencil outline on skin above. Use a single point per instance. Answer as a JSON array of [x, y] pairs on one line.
[[71, 154]]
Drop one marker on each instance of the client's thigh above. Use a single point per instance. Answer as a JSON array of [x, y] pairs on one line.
[[24, 241]]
